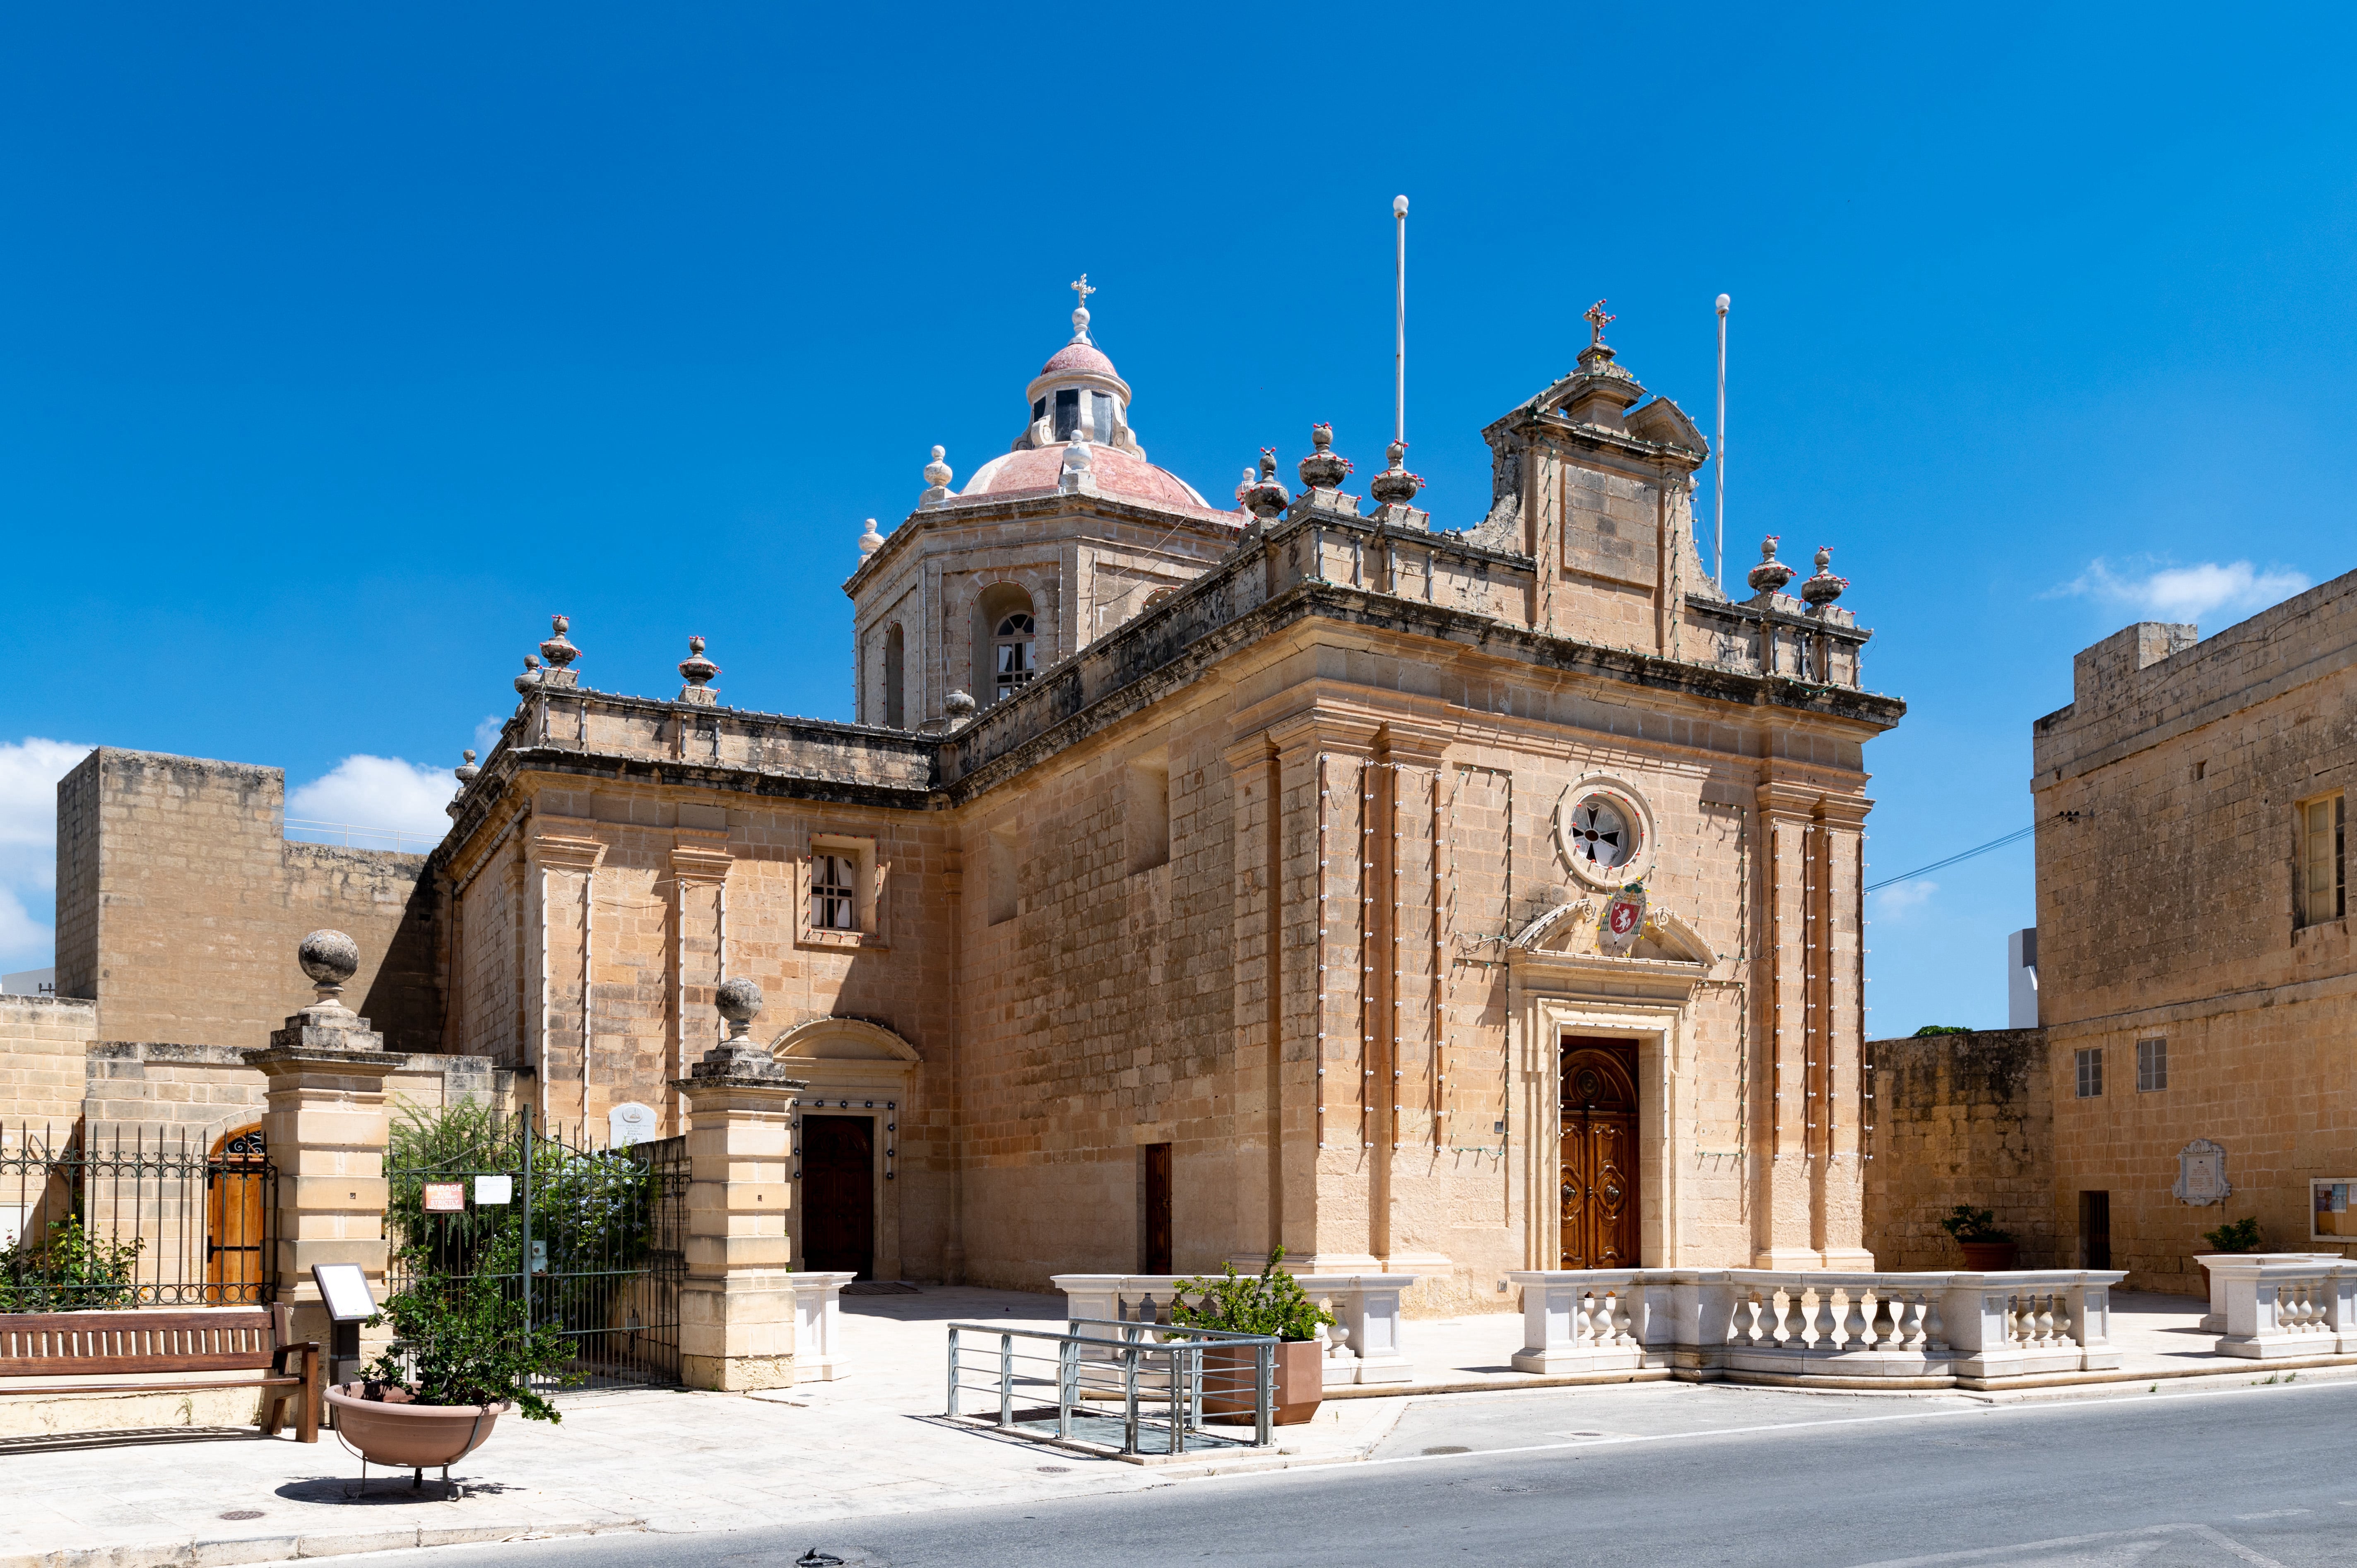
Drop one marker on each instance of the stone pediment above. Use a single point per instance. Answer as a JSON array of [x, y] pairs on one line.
[[1564, 948], [841, 1039]]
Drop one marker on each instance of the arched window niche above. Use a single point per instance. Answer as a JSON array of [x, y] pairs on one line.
[[896, 713], [1006, 642]]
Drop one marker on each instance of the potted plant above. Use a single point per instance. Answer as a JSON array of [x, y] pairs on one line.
[[1987, 1248], [1271, 1302], [2235, 1236], [462, 1355]]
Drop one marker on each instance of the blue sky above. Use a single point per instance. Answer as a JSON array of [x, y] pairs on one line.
[[339, 347]]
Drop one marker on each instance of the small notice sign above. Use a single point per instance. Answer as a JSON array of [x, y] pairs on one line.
[[494, 1189], [445, 1196]]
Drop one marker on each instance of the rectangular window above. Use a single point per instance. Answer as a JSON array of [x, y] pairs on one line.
[[1146, 816], [999, 887], [1068, 414], [2321, 895], [2152, 1066], [835, 898], [2090, 1072]]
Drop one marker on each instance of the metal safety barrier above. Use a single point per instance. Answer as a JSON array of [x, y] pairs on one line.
[[1167, 1378]]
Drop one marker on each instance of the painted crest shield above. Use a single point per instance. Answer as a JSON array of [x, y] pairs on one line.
[[1623, 919]]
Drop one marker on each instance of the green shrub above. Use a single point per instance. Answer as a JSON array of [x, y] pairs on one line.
[[1928, 1030], [462, 1339], [1271, 1302], [69, 1269], [1967, 1223], [2235, 1236]]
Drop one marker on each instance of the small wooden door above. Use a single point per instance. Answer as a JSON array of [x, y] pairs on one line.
[[1158, 1209], [839, 1193], [1599, 1193], [234, 1204], [2095, 1230]]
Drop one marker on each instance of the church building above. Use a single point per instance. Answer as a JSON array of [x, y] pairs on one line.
[[1200, 875]]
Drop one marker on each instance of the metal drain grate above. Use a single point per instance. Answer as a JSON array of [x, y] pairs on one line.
[[1449, 1448], [242, 1513], [1055, 1469]]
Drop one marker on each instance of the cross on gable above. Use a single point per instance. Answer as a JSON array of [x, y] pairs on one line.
[[1596, 316]]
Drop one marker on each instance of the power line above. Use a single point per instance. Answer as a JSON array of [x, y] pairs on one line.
[[2014, 837]]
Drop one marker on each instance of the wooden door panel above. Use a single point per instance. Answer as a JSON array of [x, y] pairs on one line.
[[1600, 1194], [839, 1193]]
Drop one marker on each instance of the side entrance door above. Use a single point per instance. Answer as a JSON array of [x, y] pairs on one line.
[[236, 1180], [1599, 1154], [839, 1193]]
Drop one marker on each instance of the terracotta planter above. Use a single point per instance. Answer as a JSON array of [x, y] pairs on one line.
[[1987, 1257], [411, 1436], [1300, 1384]]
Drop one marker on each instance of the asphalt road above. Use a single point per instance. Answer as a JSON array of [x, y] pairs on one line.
[[1672, 1475]]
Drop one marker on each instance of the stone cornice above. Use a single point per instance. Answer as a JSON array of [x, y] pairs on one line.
[[1038, 504]]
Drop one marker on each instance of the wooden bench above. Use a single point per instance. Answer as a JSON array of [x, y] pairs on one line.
[[163, 1342]]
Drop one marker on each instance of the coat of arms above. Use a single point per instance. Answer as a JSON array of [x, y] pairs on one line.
[[1623, 922]]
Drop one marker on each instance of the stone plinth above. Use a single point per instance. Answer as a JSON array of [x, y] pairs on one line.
[[737, 1306]]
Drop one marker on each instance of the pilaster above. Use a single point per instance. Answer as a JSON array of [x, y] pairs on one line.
[[1783, 1193]]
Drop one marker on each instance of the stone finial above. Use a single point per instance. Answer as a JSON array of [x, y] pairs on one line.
[[557, 649], [466, 772], [530, 679], [959, 708], [1078, 472], [697, 671], [938, 474], [870, 541], [1323, 469], [1824, 588], [1395, 486], [329, 958], [1082, 288], [740, 1002], [1598, 319], [1771, 576], [1265, 498]]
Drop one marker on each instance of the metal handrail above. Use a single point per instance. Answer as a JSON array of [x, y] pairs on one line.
[[1180, 1349], [402, 837]]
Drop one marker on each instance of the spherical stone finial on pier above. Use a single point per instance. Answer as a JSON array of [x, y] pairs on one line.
[[740, 1002], [466, 772], [959, 708], [1771, 576], [1395, 486], [1824, 588], [531, 676], [938, 471], [329, 958], [870, 541], [1265, 498], [557, 649], [695, 669], [1323, 469]]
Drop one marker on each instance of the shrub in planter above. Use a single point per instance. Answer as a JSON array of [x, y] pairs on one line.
[[1272, 1303], [2235, 1236], [1986, 1246], [462, 1355]]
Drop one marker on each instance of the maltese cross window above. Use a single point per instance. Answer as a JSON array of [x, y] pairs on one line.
[[1600, 835]]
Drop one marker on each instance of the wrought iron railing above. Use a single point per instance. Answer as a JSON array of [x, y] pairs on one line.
[[135, 1216]]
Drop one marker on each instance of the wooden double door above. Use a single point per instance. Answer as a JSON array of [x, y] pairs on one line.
[[1600, 1171], [839, 1193]]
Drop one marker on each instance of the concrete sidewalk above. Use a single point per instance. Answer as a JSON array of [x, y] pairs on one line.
[[872, 1443]]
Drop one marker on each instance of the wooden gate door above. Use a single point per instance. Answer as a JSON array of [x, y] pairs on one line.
[[1599, 1154], [839, 1193], [235, 1179], [1157, 1208]]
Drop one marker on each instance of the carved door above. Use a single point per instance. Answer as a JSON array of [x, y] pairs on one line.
[[235, 1179], [1599, 1154], [839, 1193]]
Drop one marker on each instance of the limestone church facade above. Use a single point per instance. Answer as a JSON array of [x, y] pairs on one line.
[[1199, 876]]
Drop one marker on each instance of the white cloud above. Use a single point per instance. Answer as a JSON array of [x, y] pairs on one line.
[[487, 734], [1902, 897], [384, 794], [2188, 593], [30, 771]]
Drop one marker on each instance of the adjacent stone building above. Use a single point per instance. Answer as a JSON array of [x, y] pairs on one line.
[[1196, 878]]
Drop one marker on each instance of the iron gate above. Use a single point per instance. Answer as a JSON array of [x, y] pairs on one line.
[[591, 1239]]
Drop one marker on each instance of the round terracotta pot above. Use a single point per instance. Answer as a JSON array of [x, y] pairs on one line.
[[1300, 1382], [411, 1436], [1987, 1257]]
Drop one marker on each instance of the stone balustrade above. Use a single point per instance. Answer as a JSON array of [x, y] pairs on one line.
[[1821, 1328], [1366, 1308], [2274, 1304]]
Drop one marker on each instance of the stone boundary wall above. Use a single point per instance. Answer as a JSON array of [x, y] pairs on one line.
[[1961, 1119], [42, 1042]]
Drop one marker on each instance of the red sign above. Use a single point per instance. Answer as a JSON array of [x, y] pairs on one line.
[[445, 1196]]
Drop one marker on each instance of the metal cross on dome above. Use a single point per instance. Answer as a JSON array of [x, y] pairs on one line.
[[1082, 289], [1597, 316]]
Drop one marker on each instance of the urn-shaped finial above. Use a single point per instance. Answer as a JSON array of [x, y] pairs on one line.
[[1825, 588], [558, 651], [531, 676], [695, 669], [1396, 484], [937, 472], [959, 708], [1323, 469], [870, 541], [1265, 498], [466, 772], [1771, 576], [329, 958]]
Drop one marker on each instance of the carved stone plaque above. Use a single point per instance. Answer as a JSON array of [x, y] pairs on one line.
[[2201, 1174], [629, 1122]]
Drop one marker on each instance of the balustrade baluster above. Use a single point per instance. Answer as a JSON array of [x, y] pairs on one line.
[[1910, 1321], [1883, 1331], [1582, 1323], [1822, 1324], [1855, 1333], [1935, 1325]]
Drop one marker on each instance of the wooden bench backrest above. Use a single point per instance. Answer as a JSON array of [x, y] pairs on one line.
[[70, 1343]]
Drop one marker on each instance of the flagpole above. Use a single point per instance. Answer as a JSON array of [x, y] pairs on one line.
[[1399, 356], [1719, 550]]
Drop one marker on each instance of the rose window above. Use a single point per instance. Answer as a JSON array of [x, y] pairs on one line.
[[1600, 836]]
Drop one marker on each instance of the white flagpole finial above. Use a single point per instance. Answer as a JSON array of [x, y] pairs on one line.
[[1399, 353], [1718, 455]]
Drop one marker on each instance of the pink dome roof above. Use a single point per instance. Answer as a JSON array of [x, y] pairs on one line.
[[1118, 473], [1080, 359]]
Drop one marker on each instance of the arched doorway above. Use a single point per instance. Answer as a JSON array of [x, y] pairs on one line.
[[1599, 1193], [847, 1211], [237, 1204]]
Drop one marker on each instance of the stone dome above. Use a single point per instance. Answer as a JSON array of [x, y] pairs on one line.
[[1037, 470]]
